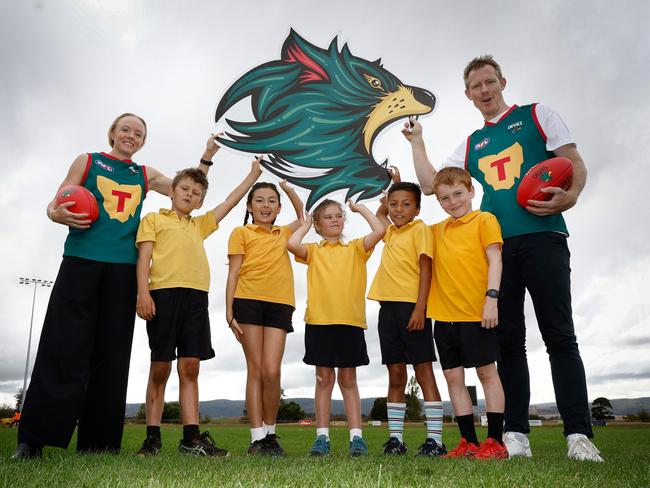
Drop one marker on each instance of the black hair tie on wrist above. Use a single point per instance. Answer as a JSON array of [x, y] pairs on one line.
[[206, 162]]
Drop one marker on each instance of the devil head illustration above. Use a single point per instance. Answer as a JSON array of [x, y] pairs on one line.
[[317, 113]]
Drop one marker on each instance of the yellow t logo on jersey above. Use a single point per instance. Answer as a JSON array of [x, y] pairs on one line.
[[120, 201], [500, 170]]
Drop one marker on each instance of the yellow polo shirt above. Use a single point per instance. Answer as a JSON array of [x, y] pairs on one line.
[[460, 266], [398, 275], [266, 272], [336, 283], [178, 259]]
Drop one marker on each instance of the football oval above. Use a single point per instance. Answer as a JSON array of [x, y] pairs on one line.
[[552, 172], [85, 201]]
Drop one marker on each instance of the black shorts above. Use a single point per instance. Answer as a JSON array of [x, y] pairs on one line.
[[465, 344], [399, 345], [335, 346], [181, 326], [266, 314]]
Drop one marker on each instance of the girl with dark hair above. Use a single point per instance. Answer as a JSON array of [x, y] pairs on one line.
[[259, 304]]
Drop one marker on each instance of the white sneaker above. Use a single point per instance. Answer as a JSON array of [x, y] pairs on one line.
[[581, 449], [517, 444]]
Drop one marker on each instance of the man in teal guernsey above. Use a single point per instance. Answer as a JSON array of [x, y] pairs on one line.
[[82, 365], [535, 251]]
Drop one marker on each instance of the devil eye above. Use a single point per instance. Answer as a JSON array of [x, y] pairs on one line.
[[374, 82]]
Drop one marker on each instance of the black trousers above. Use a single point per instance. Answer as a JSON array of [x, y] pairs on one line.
[[540, 263], [82, 365]]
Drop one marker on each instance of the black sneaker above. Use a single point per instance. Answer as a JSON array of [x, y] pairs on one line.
[[26, 450], [431, 448], [256, 447], [394, 446], [271, 446], [150, 447], [203, 446]]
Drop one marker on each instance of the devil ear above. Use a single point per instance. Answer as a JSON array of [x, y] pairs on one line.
[[293, 53]]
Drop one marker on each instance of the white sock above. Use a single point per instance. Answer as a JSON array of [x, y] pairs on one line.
[[323, 431], [355, 432], [257, 434], [269, 429]]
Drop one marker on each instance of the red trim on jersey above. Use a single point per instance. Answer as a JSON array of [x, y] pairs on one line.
[[539, 126], [146, 179], [88, 163], [128, 161], [467, 154], [506, 113]]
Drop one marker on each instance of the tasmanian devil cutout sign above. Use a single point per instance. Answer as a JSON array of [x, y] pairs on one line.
[[317, 114]]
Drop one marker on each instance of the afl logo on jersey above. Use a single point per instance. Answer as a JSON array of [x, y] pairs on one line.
[[105, 166], [480, 145]]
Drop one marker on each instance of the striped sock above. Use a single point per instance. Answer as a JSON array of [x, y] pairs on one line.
[[396, 412], [433, 412]]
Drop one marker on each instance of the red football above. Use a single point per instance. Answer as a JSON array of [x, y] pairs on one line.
[[84, 201], [552, 172]]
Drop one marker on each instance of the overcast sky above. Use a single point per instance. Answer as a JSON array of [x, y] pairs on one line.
[[68, 68]]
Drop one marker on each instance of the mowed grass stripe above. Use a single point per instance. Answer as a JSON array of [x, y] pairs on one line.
[[626, 450]]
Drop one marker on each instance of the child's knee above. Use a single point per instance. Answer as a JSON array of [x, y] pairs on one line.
[[397, 378], [325, 378], [159, 372]]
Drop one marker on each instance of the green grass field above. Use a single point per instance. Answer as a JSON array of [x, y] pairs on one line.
[[626, 450]]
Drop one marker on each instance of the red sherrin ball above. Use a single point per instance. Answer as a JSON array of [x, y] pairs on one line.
[[85, 202], [552, 172]]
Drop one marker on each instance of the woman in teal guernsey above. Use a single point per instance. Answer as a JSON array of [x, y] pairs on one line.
[[82, 366]]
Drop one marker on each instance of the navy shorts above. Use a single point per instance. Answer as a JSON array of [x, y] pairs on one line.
[[465, 344], [399, 345], [181, 326], [335, 346], [266, 314]]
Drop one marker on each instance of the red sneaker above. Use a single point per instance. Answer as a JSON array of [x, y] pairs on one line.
[[463, 450], [491, 449]]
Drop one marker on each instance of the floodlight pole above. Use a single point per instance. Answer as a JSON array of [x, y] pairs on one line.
[[28, 281]]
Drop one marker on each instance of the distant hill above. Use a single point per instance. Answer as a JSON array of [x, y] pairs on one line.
[[234, 408]]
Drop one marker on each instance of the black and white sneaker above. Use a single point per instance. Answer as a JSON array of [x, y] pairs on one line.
[[394, 446], [431, 448], [150, 447], [271, 446], [203, 446], [26, 451]]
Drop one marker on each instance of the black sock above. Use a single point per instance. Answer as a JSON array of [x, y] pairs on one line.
[[190, 432], [153, 431], [466, 427], [495, 426]]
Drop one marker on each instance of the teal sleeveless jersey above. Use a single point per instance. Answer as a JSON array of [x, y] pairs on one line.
[[498, 156], [120, 188]]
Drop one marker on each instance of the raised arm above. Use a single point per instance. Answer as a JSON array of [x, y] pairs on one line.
[[221, 210], [145, 306], [234, 265], [382, 210], [377, 228], [60, 213], [295, 200], [423, 168], [294, 244], [162, 184], [490, 312], [562, 200], [416, 322]]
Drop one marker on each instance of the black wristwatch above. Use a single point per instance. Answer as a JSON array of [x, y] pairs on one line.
[[492, 293]]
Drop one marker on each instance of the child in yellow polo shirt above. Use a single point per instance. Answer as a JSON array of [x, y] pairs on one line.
[[463, 301], [401, 285], [173, 282], [259, 305], [336, 313]]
